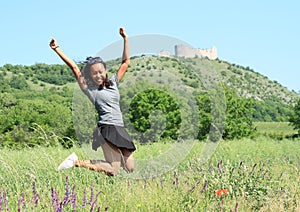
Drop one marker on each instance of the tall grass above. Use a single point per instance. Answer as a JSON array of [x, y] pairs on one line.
[[277, 130], [259, 174]]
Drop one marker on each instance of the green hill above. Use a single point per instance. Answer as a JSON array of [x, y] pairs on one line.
[[198, 71], [272, 100], [192, 71], [40, 96]]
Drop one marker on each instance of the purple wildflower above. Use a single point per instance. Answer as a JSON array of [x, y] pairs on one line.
[[222, 204], [95, 201], [194, 186], [34, 188], [92, 194], [55, 198], [220, 165], [23, 197], [21, 202], [84, 198], [204, 187], [59, 208], [236, 206], [73, 189], [267, 173], [5, 201], [67, 194], [19, 205], [175, 182], [92, 207], [161, 182], [192, 189], [0, 202], [35, 197], [73, 200]]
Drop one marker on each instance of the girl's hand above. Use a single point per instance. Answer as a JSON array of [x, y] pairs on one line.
[[53, 44], [123, 33]]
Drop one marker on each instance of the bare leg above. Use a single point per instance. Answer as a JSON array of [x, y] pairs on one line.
[[128, 160], [112, 164], [99, 166], [112, 156]]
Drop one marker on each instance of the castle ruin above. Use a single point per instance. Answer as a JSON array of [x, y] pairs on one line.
[[187, 52]]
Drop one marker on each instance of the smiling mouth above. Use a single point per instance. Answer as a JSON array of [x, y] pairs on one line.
[[99, 80]]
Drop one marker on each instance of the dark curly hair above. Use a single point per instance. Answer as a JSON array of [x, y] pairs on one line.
[[85, 72]]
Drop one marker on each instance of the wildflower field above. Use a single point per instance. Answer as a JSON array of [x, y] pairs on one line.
[[258, 174]]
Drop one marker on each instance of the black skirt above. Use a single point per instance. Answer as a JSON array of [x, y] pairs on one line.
[[116, 135]]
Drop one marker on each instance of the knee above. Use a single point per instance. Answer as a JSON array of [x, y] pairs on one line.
[[115, 170], [130, 166], [130, 169]]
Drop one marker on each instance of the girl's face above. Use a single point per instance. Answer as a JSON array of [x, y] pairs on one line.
[[98, 73]]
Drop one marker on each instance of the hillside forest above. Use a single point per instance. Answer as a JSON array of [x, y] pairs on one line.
[[182, 96]]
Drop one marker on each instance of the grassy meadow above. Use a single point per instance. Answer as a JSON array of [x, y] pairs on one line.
[[275, 129], [258, 174]]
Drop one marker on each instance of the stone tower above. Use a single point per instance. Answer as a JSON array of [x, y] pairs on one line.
[[185, 51]]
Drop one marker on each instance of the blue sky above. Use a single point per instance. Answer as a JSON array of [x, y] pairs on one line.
[[263, 35]]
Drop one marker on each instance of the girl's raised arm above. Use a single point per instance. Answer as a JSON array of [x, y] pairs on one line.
[[70, 63], [125, 58]]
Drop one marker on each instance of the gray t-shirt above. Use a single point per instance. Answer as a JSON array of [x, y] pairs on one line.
[[106, 101]]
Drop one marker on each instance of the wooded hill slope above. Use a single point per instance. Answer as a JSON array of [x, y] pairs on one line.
[[39, 99], [200, 72], [197, 74]]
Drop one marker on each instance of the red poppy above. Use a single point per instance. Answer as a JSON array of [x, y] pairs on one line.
[[221, 192]]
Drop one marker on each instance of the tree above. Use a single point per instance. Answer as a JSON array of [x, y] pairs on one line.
[[153, 110], [19, 82], [295, 116], [205, 116], [238, 115]]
